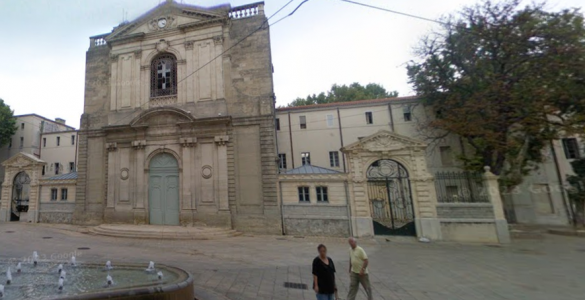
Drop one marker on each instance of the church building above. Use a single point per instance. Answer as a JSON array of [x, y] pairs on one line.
[[178, 122]]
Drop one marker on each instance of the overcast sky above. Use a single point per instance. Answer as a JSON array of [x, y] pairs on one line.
[[43, 45]]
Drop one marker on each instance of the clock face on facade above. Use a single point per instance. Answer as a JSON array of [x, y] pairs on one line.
[[162, 23]]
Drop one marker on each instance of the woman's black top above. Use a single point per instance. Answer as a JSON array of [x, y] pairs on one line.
[[325, 275]]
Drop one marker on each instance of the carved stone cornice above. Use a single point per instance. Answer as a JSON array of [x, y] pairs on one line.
[[218, 40], [112, 146], [222, 140], [188, 141], [139, 144]]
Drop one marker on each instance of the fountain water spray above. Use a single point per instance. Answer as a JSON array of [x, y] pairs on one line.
[[109, 280], [35, 257], [1, 291], [60, 268], [73, 260], [60, 284], [8, 276], [160, 275], [18, 268], [108, 265], [150, 267], [62, 274]]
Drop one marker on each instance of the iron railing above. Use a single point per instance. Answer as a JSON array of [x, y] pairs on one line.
[[460, 187]]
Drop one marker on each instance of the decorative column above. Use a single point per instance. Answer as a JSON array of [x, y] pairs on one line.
[[140, 183], [490, 183], [188, 167], [360, 218], [111, 147], [222, 170], [6, 194], [190, 65]]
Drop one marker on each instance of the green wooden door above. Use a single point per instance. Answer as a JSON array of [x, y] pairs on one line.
[[163, 190]]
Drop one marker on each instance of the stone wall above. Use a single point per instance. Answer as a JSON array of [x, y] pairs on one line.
[[316, 220], [465, 211]]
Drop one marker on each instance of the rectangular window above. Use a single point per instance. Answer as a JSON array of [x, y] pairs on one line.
[[322, 195], [44, 142], [330, 121], [277, 123], [53, 194], [21, 125], [304, 194], [369, 117], [71, 166], [21, 142], [306, 158], [63, 194], [334, 159], [446, 155], [72, 140], [58, 141], [57, 166], [43, 170], [571, 148], [282, 161], [407, 114], [303, 122]]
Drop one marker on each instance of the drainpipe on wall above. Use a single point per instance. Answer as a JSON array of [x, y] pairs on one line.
[[292, 153], [281, 208], [346, 185], [341, 138], [568, 207], [391, 117]]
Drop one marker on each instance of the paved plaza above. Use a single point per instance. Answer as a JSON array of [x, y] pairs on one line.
[[256, 267]]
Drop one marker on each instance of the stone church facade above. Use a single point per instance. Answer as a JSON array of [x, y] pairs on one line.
[[176, 129]]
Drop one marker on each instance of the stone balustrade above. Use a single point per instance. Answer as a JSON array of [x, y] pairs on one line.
[[98, 40], [246, 11]]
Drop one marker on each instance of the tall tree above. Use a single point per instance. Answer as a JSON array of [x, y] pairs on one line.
[[7, 123], [506, 79], [345, 93]]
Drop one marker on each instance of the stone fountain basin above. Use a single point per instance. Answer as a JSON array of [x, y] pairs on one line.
[[88, 281]]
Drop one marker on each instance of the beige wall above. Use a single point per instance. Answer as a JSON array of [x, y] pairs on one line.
[[31, 134], [47, 186], [64, 153]]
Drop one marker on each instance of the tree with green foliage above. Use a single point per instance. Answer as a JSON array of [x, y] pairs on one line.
[[576, 190], [345, 93], [7, 123], [506, 79]]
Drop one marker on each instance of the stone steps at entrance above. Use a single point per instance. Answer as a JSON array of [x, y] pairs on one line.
[[163, 232]]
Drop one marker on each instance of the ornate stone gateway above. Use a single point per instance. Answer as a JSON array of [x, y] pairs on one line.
[[390, 198], [163, 190], [20, 196]]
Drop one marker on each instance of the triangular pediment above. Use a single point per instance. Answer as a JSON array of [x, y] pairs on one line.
[[384, 140], [22, 160], [168, 16]]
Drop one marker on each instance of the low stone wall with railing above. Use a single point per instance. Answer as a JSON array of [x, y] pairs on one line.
[[246, 11]]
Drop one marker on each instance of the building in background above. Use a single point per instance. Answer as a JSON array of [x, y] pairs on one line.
[[39, 150], [325, 136]]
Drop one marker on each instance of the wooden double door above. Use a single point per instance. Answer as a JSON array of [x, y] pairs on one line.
[[163, 190]]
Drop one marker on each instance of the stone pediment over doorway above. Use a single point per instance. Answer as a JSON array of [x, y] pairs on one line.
[[169, 15], [162, 116], [383, 141], [22, 160]]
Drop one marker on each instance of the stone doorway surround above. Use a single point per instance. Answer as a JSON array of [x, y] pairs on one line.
[[33, 166], [411, 154]]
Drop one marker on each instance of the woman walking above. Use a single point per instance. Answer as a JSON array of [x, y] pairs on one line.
[[324, 276]]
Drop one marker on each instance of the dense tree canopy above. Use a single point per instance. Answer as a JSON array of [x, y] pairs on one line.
[[7, 123], [345, 93], [506, 79]]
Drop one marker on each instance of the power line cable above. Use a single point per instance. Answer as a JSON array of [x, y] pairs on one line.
[[395, 12]]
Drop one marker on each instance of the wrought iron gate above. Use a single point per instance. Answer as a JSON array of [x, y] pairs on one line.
[[390, 198]]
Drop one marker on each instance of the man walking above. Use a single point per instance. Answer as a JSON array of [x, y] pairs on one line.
[[358, 270]]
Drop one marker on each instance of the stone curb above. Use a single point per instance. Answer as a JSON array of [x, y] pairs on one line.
[[575, 233]]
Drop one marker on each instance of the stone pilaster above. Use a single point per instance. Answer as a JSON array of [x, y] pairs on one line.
[[222, 175]]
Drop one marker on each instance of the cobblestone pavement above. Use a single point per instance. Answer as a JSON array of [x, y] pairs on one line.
[[256, 267]]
